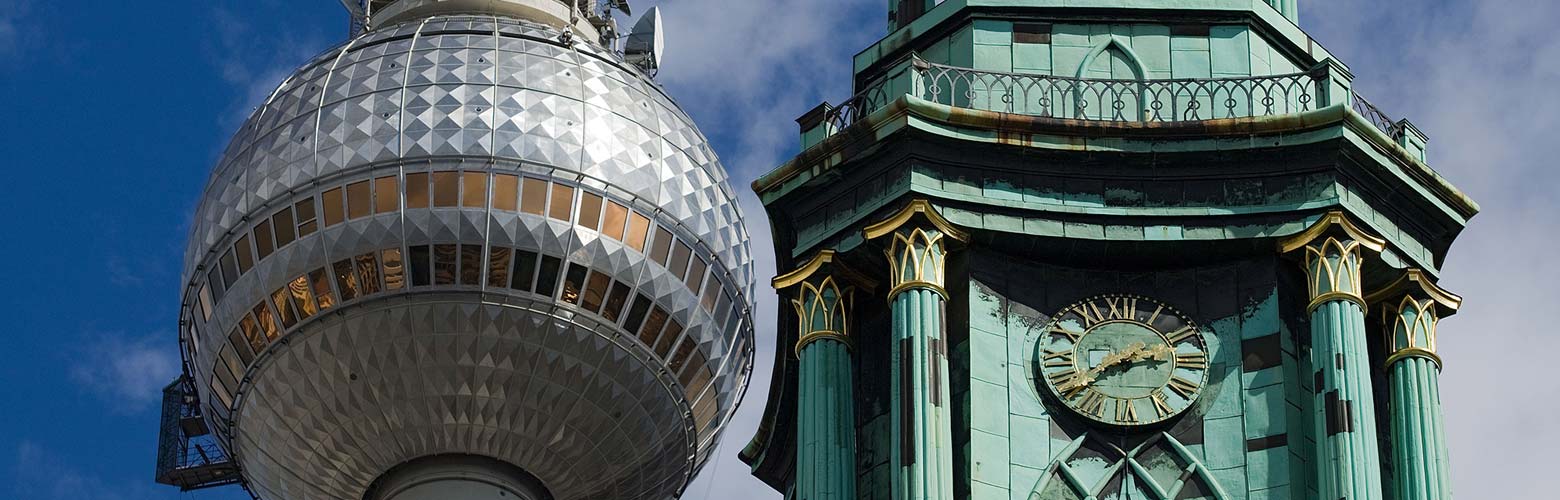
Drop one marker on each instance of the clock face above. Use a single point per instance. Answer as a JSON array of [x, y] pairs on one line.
[[1123, 360]]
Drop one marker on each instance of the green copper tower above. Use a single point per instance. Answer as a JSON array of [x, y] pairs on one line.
[[1106, 250]]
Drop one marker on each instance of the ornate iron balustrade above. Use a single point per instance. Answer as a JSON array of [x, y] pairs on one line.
[[1375, 116], [1103, 100], [1110, 100]]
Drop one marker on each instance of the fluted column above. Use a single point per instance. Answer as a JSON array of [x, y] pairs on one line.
[[922, 416], [1411, 308], [1348, 460], [825, 404]]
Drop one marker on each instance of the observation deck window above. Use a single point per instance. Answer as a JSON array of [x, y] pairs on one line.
[[590, 212], [547, 276], [420, 256], [395, 269], [498, 266], [474, 189], [471, 265], [333, 201], [446, 264], [506, 192], [562, 202], [525, 271], [359, 200], [417, 190], [446, 189], [387, 195]]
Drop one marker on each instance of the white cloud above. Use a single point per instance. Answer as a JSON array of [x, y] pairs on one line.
[[128, 373], [1478, 78]]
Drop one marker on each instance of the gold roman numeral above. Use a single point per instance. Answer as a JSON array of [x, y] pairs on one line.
[[1071, 335], [1059, 359], [1120, 307], [1090, 313], [1093, 403], [1160, 308], [1177, 336], [1193, 361], [1161, 407], [1126, 411], [1183, 387]]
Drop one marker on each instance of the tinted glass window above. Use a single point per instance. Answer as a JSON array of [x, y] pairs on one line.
[[638, 226], [696, 275], [281, 300], [229, 268], [214, 279], [684, 350], [668, 338], [263, 244], [302, 297], [359, 201], [267, 322], [417, 190], [471, 265], [346, 279], [573, 283], [547, 277], [446, 189], [394, 269], [653, 326], [590, 210], [246, 256], [498, 266], [636, 314], [617, 215], [387, 195], [473, 190], [446, 260], [320, 280], [525, 270], [679, 263], [663, 245], [368, 273], [506, 192], [307, 222], [711, 291], [533, 196], [595, 291], [615, 302], [333, 202], [562, 202], [421, 270], [283, 225], [241, 346]]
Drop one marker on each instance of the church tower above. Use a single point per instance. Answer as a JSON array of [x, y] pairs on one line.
[[1106, 249]]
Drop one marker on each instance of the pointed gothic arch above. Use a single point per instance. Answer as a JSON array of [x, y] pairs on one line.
[[1119, 44]]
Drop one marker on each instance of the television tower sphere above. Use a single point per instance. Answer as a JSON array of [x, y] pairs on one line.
[[470, 252]]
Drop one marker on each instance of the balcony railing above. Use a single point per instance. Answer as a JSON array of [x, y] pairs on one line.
[[1102, 100]]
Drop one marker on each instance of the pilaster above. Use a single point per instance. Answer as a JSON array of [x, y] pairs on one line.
[[915, 242], [1332, 254], [1411, 309], [825, 420]]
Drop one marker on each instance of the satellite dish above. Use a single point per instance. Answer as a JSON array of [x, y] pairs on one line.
[[646, 42]]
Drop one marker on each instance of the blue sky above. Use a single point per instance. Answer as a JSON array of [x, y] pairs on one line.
[[112, 114]]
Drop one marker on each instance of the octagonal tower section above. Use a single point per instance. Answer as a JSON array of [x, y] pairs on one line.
[[1013, 180]]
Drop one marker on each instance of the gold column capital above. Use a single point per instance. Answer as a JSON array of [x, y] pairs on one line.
[[917, 208], [1411, 311], [1331, 251], [1332, 223], [916, 247], [822, 305]]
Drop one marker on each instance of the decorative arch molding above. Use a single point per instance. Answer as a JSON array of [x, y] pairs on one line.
[[1160, 466], [1118, 43]]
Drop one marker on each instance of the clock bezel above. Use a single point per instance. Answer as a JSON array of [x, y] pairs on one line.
[[1164, 309]]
